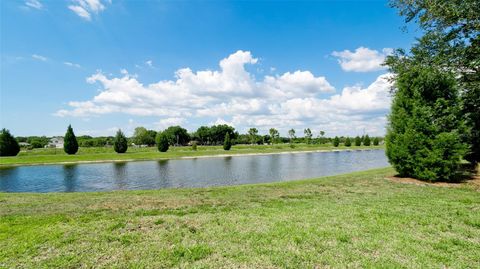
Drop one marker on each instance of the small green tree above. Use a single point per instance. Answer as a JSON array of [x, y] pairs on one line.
[[252, 132], [274, 135], [321, 138], [227, 143], [336, 141], [358, 141], [308, 135], [70, 144], [8, 145], [348, 142], [291, 134], [120, 143], [366, 141], [162, 141], [376, 141], [194, 145]]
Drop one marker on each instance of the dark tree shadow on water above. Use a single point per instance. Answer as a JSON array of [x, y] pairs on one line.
[[120, 175], [70, 176]]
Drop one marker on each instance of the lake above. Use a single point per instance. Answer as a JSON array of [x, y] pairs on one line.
[[186, 173]]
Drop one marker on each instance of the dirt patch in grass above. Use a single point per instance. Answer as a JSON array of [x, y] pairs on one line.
[[473, 181]]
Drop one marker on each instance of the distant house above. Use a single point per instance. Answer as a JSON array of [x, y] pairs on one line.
[[24, 144], [55, 142]]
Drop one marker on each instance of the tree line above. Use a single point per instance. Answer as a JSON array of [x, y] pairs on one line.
[[176, 136]]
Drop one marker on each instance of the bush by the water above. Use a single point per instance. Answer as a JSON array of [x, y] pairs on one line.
[[336, 141], [227, 143], [8, 145], [376, 141], [358, 141], [162, 141], [423, 136], [366, 141], [194, 145], [348, 142], [120, 143], [70, 144]]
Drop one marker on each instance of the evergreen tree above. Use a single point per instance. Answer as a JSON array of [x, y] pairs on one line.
[[162, 141], [8, 145], [358, 141], [120, 143], [451, 42], [376, 141], [70, 144], [423, 137], [336, 141], [227, 143], [366, 141], [348, 142], [194, 145]]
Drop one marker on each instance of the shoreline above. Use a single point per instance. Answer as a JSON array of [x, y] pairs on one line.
[[185, 157]]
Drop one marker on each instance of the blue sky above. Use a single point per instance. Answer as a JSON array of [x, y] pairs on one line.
[[102, 65]]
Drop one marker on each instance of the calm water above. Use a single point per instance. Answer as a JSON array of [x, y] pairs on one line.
[[201, 172]]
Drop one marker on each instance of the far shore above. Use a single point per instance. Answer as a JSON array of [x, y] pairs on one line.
[[170, 155]]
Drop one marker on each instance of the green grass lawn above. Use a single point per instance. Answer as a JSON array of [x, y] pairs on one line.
[[44, 156], [353, 220]]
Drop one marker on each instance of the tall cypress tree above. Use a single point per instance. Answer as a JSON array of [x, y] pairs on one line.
[[358, 141], [366, 140], [423, 136], [120, 143], [70, 144], [336, 141], [162, 141], [227, 143], [376, 141], [450, 42], [8, 145], [348, 142]]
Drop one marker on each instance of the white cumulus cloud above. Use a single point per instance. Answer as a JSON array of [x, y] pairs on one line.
[[233, 95], [362, 59]]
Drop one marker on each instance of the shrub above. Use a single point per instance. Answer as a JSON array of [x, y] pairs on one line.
[[194, 145], [336, 141], [162, 141], [423, 136], [358, 141], [120, 143], [8, 145], [376, 141], [348, 142], [227, 143], [366, 141], [70, 144]]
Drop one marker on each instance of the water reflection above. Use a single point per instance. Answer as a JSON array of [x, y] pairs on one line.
[[120, 175], [69, 177], [200, 172], [8, 177]]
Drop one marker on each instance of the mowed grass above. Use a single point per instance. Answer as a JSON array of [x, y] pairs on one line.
[[353, 220], [45, 156]]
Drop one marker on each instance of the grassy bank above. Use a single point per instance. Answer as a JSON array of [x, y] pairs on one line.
[[355, 220], [46, 156]]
